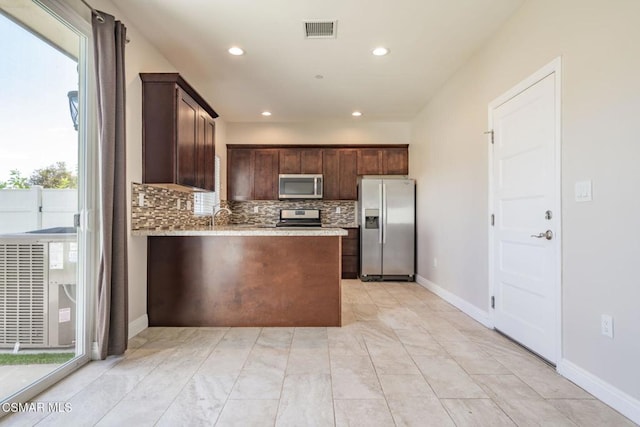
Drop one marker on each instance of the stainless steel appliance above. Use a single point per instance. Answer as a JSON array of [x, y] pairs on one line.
[[386, 216], [300, 186], [299, 218]]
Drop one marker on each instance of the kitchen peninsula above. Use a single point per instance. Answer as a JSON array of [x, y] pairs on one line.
[[239, 275]]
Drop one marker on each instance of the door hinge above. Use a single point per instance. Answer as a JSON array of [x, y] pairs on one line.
[[493, 220], [493, 302], [490, 132]]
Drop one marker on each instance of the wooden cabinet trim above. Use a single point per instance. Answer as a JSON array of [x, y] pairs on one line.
[[285, 146], [177, 79]]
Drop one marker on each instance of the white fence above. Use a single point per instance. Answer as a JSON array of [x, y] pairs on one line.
[[36, 208]]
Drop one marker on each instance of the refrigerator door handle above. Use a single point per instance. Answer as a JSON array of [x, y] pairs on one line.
[[380, 212], [384, 214]]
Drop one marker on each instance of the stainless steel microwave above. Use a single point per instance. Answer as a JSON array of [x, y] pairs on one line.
[[300, 186]]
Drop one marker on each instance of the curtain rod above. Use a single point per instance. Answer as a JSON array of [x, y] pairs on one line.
[[99, 17], [95, 12]]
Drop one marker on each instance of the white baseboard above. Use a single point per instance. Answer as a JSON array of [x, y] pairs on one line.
[[617, 399], [138, 325], [467, 308]]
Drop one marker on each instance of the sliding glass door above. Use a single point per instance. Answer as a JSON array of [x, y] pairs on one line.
[[47, 246]]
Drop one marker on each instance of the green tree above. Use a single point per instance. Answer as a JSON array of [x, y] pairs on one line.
[[16, 180], [54, 176]]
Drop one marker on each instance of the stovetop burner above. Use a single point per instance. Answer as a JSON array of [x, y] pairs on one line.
[[299, 218]]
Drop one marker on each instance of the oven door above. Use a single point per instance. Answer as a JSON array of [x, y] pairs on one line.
[[300, 186]]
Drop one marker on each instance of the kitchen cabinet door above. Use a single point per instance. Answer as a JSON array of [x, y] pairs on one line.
[[187, 140], [311, 160], [339, 168], [348, 161], [331, 174], [395, 161], [265, 179], [290, 161], [296, 160], [351, 254], [369, 161], [240, 174]]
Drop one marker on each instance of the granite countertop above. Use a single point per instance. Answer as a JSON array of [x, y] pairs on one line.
[[247, 230]]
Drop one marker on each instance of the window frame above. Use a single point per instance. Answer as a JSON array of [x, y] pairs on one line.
[[88, 204]]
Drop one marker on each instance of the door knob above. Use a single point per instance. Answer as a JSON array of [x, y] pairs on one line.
[[547, 235]]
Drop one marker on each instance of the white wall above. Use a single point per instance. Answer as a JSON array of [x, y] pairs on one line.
[[598, 43], [354, 131]]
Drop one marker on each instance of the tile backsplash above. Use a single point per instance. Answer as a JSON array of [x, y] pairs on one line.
[[167, 208], [267, 212], [164, 209]]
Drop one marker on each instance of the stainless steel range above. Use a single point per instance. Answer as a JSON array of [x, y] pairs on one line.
[[299, 218]]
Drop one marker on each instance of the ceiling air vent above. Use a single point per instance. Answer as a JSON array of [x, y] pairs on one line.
[[320, 29]]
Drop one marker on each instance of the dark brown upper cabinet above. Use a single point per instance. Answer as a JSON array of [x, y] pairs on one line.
[[369, 161], [265, 179], [178, 133], [240, 170], [252, 170], [296, 160], [395, 161], [383, 161], [252, 174], [339, 173]]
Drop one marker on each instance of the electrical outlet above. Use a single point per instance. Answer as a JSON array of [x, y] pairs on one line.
[[606, 325], [435, 262], [188, 205], [337, 209], [141, 199], [255, 209], [179, 204]]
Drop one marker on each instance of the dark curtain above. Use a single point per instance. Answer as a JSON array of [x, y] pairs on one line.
[[109, 37]]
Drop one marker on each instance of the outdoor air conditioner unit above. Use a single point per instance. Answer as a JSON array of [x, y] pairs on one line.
[[37, 291]]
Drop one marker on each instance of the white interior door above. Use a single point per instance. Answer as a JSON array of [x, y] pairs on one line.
[[525, 188]]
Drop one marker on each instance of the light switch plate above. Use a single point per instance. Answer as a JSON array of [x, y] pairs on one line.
[[583, 191], [141, 199]]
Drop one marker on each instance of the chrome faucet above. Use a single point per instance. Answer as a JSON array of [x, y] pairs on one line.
[[216, 213]]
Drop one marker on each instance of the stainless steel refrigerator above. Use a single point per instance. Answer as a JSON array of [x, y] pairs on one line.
[[386, 216]]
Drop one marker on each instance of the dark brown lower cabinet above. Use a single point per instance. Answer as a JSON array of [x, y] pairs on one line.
[[351, 254], [244, 281]]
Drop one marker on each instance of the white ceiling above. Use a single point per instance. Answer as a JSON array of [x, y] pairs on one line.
[[428, 40]]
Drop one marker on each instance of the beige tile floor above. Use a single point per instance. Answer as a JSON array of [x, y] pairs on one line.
[[403, 357]]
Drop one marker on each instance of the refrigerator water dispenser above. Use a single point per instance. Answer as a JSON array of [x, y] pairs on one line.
[[371, 218]]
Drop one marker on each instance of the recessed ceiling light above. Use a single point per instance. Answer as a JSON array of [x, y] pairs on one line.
[[236, 51], [356, 114], [380, 51], [266, 113]]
